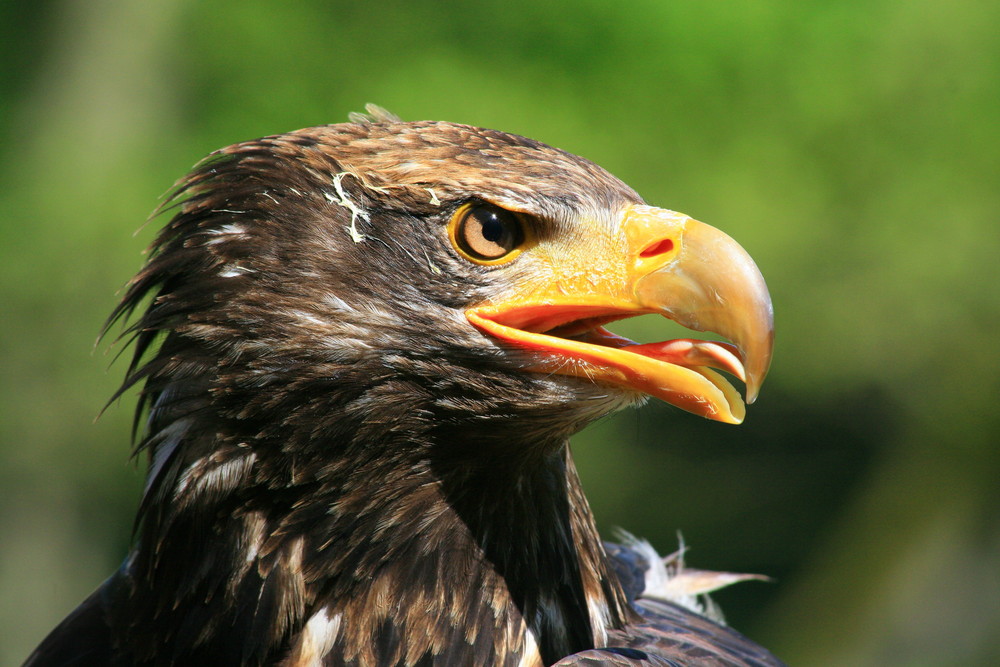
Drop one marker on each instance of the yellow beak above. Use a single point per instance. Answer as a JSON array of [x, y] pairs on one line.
[[683, 269]]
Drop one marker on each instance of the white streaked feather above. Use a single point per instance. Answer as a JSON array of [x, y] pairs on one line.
[[531, 656], [219, 478], [317, 638], [599, 620]]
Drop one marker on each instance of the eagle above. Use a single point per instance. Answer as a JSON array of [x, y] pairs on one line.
[[360, 350]]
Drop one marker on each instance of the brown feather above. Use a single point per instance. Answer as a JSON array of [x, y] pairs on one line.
[[342, 470]]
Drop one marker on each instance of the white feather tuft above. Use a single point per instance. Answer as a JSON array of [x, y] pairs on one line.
[[667, 578]]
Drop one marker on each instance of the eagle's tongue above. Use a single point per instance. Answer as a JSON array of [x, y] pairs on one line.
[[688, 352]]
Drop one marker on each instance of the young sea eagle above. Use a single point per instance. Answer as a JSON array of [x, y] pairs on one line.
[[375, 339]]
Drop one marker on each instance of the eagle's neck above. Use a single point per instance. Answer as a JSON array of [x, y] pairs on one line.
[[379, 560], [497, 564], [533, 537]]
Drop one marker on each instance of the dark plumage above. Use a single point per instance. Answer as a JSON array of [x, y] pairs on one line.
[[345, 466]]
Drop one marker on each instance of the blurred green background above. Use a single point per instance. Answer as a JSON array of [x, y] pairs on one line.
[[852, 147]]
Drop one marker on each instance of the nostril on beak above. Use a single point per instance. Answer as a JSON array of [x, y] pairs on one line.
[[661, 247]]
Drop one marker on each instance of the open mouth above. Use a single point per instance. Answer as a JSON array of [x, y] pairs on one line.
[[574, 341], [686, 352]]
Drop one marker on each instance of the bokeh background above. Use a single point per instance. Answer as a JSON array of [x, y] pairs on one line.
[[852, 147]]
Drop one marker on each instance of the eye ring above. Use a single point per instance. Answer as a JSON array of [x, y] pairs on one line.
[[487, 234]]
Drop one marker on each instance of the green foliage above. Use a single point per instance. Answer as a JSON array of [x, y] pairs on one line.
[[853, 148]]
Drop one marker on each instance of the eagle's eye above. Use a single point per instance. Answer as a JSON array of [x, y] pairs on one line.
[[487, 234]]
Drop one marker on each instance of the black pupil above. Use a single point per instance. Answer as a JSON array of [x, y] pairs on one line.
[[493, 226], [489, 232]]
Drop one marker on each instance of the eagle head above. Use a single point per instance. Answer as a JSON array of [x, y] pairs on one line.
[[361, 349]]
